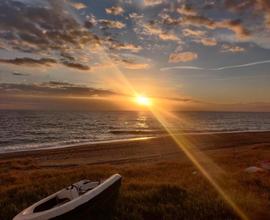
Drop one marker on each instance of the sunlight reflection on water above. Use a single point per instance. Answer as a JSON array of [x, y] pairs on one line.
[[34, 129]]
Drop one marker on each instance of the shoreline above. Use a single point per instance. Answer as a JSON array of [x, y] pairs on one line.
[[125, 140], [148, 147], [78, 145]]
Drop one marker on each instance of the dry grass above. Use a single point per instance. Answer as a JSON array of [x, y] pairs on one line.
[[165, 190], [164, 187]]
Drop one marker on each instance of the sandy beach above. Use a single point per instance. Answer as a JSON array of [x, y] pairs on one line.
[[150, 149], [144, 163]]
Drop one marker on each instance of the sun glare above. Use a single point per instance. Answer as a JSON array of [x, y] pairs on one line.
[[143, 100]]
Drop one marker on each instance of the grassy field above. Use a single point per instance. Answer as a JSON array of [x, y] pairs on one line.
[[165, 190], [159, 182]]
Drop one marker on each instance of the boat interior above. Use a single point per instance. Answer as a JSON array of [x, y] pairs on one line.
[[67, 194]]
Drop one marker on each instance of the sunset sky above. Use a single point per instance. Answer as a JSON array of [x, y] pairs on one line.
[[97, 54]]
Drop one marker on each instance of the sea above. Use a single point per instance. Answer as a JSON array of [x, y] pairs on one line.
[[24, 130]]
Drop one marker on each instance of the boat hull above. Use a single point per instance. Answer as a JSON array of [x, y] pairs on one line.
[[94, 204], [98, 207]]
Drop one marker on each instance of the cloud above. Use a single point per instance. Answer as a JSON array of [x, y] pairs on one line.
[[115, 10], [121, 62], [152, 2], [190, 17], [186, 10], [208, 41], [182, 67], [40, 28], [90, 21], [193, 33], [255, 14], [218, 68], [237, 6], [54, 84], [200, 37], [76, 66], [241, 65], [132, 64], [111, 24], [78, 5], [52, 88], [196, 21], [19, 74], [254, 7], [267, 19], [29, 61], [235, 26], [182, 57], [74, 38], [131, 61], [232, 48], [125, 46], [151, 29], [42, 62], [135, 15], [168, 36], [43, 29], [265, 6]]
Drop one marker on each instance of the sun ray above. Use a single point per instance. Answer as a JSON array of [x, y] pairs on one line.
[[160, 114], [185, 145]]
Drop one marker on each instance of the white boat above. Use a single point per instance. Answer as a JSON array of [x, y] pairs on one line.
[[71, 202]]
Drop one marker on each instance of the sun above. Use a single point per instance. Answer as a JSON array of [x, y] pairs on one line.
[[143, 100]]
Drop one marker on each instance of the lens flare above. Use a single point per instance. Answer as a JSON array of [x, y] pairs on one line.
[[196, 157], [143, 100], [162, 116]]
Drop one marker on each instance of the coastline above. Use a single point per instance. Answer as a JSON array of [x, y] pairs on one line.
[[143, 147], [120, 140], [76, 145]]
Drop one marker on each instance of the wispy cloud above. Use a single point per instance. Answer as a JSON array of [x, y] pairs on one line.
[[182, 68], [216, 69], [241, 65], [53, 88], [29, 61], [43, 62]]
